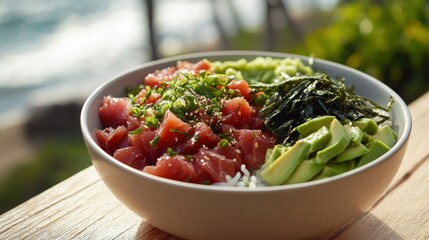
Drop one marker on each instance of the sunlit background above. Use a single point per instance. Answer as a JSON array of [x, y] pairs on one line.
[[53, 54]]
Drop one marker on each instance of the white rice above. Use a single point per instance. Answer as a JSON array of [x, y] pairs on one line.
[[242, 179]]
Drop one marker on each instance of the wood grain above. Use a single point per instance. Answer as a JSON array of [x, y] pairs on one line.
[[83, 208], [78, 208]]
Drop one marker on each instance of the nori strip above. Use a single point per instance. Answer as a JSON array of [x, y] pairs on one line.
[[298, 99]]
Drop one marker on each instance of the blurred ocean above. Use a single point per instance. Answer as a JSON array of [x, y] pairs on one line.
[[52, 51], [59, 49]]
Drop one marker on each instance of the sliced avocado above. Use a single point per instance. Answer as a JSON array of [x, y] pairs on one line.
[[352, 164], [367, 125], [313, 125], [338, 142], [376, 149], [355, 134], [366, 138], [273, 153], [305, 171], [386, 135], [318, 139], [282, 168], [269, 154], [333, 169], [352, 152]]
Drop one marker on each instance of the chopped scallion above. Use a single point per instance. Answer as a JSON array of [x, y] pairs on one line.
[[224, 143]]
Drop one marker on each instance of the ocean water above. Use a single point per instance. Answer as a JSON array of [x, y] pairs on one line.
[[53, 51], [63, 49]]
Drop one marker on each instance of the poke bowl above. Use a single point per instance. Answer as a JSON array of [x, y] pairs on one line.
[[247, 198]]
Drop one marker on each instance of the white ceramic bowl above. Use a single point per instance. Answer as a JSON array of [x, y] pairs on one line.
[[194, 211]]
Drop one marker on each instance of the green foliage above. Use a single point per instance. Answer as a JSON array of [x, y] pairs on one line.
[[55, 161], [387, 39]]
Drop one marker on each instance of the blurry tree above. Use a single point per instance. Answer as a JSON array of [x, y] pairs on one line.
[[388, 39]]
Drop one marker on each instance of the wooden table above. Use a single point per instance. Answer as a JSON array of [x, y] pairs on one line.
[[83, 208]]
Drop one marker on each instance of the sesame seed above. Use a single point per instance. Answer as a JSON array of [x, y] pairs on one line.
[[176, 139], [169, 164], [256, 145]]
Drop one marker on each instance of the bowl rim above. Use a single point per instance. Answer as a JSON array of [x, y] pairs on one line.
[[91, 142]]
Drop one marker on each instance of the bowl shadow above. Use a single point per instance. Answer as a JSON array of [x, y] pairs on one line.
[[149, 232]]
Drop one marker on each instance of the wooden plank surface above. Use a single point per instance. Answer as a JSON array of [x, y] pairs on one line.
[[79, 208], [83, 208]]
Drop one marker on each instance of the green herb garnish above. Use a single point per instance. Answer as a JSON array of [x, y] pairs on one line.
[[155, 140], [191, 97], [132, 91], [152, 122], [136, 131], [224, 143], [170, 152]]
